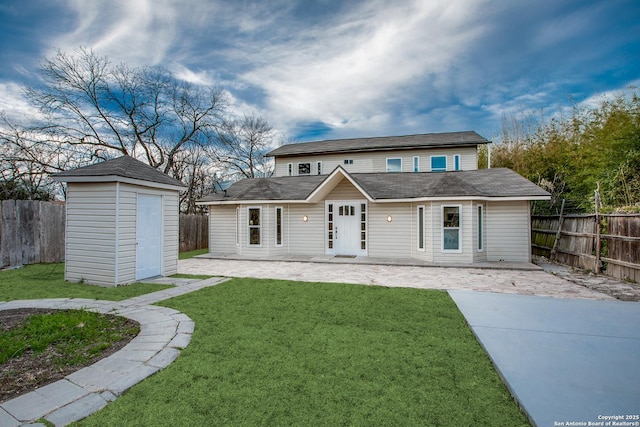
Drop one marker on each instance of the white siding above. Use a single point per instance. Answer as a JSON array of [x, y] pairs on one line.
[[127, 234], [306, 238], [508, 231], [390, 239], [90, 236], [222, 230], [366, 162]]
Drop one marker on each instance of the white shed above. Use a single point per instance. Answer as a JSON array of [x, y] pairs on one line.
[[122, 222]]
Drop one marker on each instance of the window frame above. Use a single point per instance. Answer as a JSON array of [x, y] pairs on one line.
[[251, 226], [319, 167], [443, 228], [420, 228], [394, 158], [432, 158], [238, 226], [480, 228], [416, 163], [290, 169], [309, 168], [457, 162], [278, 224]]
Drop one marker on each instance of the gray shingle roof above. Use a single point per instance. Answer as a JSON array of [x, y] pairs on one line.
[[125, 167], [499, 182], [451, 139]]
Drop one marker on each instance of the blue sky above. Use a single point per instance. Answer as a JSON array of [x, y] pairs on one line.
[[330, 68]]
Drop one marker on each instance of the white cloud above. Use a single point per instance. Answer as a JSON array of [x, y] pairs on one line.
[[14, 104], [349, 70], [132, 31]]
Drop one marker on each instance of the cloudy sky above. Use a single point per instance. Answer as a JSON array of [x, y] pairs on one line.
[[321, 69]]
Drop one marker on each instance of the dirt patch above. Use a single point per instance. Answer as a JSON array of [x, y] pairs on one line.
[[28, 372], [624, 291]]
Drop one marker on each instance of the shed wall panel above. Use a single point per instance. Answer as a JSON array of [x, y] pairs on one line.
[[91, 213]]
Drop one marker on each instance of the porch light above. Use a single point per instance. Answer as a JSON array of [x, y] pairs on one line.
[[389, 218], [305, 218]]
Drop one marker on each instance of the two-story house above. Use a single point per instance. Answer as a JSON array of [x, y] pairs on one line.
[[409, 197]]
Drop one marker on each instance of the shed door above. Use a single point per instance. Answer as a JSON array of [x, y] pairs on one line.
[[149, 236]]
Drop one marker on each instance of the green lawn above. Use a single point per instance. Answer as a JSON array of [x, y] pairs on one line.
[[276, 353], [191, 254], [47, 281]]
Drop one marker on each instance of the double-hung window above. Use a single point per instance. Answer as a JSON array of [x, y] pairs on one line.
[[255, 226], [451, 229], [438, 163], [394, 165]]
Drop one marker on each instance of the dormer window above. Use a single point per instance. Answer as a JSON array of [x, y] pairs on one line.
[[304, 168], [394, 165], [438, 163]]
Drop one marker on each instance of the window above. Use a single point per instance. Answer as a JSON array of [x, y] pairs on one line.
[[394, 165], [330, 225], [304, 168], [363, 226], [319, 168], [290, 168], [451, 228], [438, 163], [255, 226], [456, 162], [480, 229], [237, 226], [348, 161], [421, 228], [416, 164], [279, 222]]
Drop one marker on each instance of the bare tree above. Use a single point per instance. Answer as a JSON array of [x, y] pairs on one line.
[[242, 146]]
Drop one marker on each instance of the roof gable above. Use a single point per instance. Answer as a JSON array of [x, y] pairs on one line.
[[114, 170], [430, 140]]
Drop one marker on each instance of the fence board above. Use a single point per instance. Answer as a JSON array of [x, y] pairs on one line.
[[194, 232], [577, 242], [31, 232]]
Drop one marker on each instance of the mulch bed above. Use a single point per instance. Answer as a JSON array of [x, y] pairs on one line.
[[28, 372]]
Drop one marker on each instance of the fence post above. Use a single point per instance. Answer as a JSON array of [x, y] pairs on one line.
[[554, 250], [598, 231]]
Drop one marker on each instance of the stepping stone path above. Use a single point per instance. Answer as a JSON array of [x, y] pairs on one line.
[[164, 332]]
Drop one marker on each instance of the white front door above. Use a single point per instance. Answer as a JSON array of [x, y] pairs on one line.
[[149, 236], [346, 228]]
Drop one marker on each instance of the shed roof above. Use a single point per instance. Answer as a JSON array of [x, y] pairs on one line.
[[385, 186], [428, 140], [123, 167]]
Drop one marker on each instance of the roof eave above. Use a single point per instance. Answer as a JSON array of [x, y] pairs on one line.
[[116, 178]]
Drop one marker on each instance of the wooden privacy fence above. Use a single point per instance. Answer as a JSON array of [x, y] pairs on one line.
[[194, 232], [601, 243], [31, 232]]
